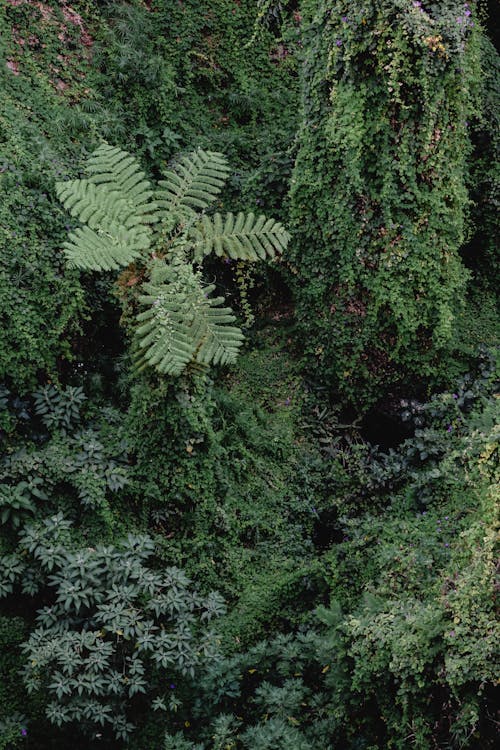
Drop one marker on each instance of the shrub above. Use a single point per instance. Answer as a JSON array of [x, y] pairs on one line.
[[112, 627]]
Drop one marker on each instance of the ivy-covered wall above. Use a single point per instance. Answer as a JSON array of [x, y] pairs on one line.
[[379, 198]]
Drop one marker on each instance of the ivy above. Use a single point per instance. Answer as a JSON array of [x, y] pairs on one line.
[[379, 195]]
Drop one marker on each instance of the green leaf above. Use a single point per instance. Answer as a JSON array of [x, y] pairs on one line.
[[244, 237], [116, 208], [183, 324], [195, 182]]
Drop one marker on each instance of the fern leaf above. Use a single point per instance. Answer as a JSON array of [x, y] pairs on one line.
[[182, 324], [194, 183], [221, 341], [95, 205], [164, 334], [105, 251], [115, 204], [243, 237], [121, 173]]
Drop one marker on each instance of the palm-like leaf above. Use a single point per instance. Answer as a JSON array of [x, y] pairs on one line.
[[194, 183], [244, 237]]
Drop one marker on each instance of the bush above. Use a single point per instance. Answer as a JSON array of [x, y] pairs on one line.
[[110, 629]]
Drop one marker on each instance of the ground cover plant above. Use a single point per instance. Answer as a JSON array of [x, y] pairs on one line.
[[249, 467]]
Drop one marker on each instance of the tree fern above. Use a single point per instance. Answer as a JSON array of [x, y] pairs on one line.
[[178, 323]]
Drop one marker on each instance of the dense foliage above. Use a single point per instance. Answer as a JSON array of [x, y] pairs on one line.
[[389, 90], [270, 525]]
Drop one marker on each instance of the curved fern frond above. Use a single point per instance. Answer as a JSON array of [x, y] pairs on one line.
[[121, 173], [104, 250], [96, 205], [219, 342], [194, 183], [244, 237], [182, 324], [115, 204]]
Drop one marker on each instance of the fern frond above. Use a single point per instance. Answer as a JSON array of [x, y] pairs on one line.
[[194, 183], [220, 342], [95, 205], [182, 324], [244, 237], [121, 173], [103, 250], [115, 204]]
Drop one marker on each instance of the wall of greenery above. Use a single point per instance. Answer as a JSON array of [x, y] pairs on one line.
[[380, 207], [237, 557]]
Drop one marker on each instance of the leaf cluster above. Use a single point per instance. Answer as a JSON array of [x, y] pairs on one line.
[[110, 625], [69, 459]]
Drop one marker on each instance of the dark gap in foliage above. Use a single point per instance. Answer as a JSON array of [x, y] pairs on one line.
[[326, 529], [384, 430]]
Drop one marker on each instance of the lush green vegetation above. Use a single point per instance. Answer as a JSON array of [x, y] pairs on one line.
[[249, 466]]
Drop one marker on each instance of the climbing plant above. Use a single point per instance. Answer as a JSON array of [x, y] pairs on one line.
[[379, 197]]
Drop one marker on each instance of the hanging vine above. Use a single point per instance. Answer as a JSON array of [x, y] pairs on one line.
[[379, 198]]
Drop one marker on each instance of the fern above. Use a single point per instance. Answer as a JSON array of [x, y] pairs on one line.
[[183, 324], [115, 204], [243, 237], [195, 182], [179, 322]]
